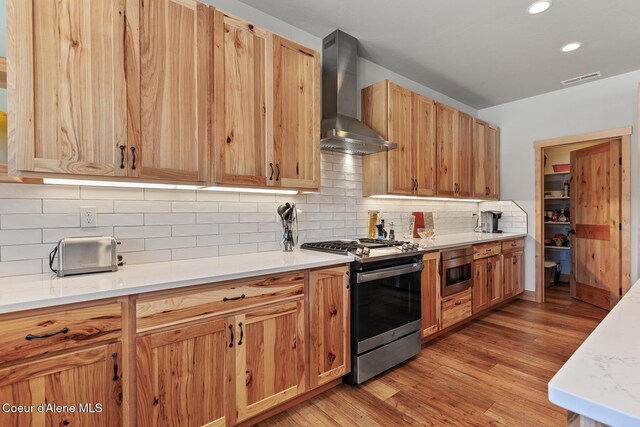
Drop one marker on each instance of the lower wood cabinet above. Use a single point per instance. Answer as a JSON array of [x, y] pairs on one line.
[[270, 357], [81, 380], [182, 375], [513, 271], [330, 323], [494, 279], [430, 293], [456, 308]]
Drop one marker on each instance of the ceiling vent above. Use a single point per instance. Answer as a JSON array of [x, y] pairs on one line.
[[581, 79]]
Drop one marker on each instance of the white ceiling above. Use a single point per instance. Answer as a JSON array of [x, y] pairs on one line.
[[480, 52]]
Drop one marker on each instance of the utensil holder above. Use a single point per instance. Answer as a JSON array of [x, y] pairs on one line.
[[289, 236]]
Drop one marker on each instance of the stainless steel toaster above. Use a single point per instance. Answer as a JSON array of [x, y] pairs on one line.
[[79, 255]]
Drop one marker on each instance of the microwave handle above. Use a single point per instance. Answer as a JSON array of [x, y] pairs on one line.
[[389, 272]]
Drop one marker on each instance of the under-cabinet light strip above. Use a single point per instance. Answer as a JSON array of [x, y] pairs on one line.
[[425, 199], [153, 185]]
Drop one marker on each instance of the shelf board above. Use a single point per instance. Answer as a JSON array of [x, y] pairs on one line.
[[558, 248], [556, 223]]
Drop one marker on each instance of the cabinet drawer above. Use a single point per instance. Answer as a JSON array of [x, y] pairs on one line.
[[456, 308], [42, 334], [486, 250], [177, 307], [513, 245]]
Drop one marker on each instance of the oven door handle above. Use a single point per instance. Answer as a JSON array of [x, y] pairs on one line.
[[389, 272]]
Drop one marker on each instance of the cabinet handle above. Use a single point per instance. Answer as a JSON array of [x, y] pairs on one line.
[[231, 339], [271, 175], [225, 299], [278, 171], [515, 260], [133, 158], [457, 303], [61, 331], [122, 148], [241, 333], [115, 366], [489, 267], [487, 191]]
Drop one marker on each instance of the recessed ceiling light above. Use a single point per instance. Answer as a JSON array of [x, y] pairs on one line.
[[539, 7], [570, 47]]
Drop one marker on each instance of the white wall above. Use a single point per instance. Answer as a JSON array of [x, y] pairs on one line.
[[599, 105]]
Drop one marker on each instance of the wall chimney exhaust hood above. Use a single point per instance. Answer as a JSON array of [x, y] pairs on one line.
[[341, 131]]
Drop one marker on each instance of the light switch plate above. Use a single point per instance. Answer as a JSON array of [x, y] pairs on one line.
[[88, 216]]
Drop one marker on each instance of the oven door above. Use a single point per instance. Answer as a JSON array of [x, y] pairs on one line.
[[457, 275], [385, 305]]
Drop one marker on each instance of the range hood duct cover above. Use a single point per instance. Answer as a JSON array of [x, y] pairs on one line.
[[341, 131]]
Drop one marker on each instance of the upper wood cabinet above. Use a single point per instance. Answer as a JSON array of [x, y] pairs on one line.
[[90, 376], [243, 106], [408, 119], [329, 306], [486, 160], [295, 153], [66, 86], [182, 375], [463, 160], [454, 132], [168, 89]]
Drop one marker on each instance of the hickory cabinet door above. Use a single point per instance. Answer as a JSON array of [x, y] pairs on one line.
[[242, 102], [400, 131], [463, 157], [446, 124], [295, 154], [486, 160], [92, 376], [270, 357], [168, 59], [494, 276], [66, 87], [330, 325], [480, 285], [181, 375], [424, 143]]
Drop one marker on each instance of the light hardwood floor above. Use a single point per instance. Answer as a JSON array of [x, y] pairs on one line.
[[493, 371]]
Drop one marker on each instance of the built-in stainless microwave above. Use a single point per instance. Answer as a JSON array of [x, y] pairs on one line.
[[457, 270]]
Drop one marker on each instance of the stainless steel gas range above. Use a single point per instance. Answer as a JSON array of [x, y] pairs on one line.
[[385, 302]]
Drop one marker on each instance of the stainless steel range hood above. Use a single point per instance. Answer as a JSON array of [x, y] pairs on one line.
[[341, 131]]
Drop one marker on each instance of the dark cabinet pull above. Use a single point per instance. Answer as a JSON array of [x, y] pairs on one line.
[[278, 171], [133, 158], [515, 260], [115, 366], [231, 339], [271, 175], [489, 267], [122, 148], [225, 299], [488, 191], [457, 303], [61, 331], [241, 333]]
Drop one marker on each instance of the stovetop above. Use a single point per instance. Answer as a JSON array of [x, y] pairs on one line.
[[364, 249]]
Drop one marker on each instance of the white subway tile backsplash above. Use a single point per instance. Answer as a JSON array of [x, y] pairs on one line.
[[12, 222], [20, 206], [129, 206], [159, 225], [20, 237]]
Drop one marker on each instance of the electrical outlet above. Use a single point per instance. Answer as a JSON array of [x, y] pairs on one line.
[[88, 216]]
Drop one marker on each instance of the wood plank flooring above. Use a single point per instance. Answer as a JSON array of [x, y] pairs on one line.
[[491, 372]]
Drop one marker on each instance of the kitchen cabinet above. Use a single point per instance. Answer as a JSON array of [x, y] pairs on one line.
[[456, 308], [430, 281], [446, 130], [513, 268], [270, 357], [168, 57], [184, 374], [294, 156], [486, 161], [67, 87], [487, 282], [80, 379], [463, 155], [330, 323], [480, 285], [242, 107], [407, 119]]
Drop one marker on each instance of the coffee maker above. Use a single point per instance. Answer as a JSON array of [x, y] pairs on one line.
[[489, 221]]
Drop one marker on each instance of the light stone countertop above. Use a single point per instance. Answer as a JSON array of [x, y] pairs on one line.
[[601, 380]]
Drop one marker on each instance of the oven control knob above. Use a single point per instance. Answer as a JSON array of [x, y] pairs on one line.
[[359, 252], [366, 251]]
